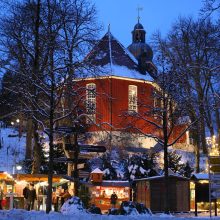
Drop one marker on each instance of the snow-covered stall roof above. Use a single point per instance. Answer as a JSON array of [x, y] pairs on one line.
[[162, 176], [200, 176], [97, 170], [115, 183], [111, 183], [115, 60]]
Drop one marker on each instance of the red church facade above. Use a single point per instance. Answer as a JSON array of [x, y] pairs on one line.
[[121, 91]]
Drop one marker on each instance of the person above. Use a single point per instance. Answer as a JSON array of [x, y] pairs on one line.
[[103, 194], [1, 197], [62, 192], [40, 198], [66, 195], [32, 196], [54, 200], [25, 194], [114, 199]]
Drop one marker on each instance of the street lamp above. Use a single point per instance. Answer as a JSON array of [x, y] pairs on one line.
[[18, 167], [15, 168]]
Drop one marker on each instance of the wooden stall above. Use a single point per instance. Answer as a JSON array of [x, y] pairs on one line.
[[151, 192], [6, 182], [199, 192], [40, 185], [101, 193]]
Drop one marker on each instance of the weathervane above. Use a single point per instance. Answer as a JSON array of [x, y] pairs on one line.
[[139, 9]]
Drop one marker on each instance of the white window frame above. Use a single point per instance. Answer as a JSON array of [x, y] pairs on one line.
[[91, 102], [132, 98]]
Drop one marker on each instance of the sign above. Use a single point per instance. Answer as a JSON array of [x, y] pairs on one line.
[[70, 130], [68, 160], [92, 148], [86, 148], [216, 194], [80, 166], [83, 174]]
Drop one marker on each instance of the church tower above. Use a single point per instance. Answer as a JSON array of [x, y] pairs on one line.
[[141, 50]]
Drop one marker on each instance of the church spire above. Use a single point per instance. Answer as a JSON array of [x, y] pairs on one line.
[[139, 9]]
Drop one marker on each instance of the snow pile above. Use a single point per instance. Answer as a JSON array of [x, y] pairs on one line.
[[166, 215], [133, 208], [18, 214], [73, 206], [128, 208]]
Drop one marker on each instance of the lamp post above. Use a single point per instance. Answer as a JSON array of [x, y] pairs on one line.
[[16, 168]]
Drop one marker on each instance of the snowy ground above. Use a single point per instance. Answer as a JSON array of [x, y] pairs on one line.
[[12, 149], [18, 214]]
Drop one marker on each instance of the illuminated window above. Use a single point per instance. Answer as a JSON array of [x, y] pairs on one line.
[[132, 98], [91, 101]]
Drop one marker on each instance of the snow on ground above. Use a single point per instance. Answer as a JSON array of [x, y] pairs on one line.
[[12, 149], [20, 214]]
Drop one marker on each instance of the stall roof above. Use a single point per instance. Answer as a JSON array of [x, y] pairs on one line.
[[6, 176], [200, 176], [35, 177], [114, 183], [97, 170], [162, 176]]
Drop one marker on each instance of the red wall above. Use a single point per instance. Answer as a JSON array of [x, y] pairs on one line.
[[112, 96]]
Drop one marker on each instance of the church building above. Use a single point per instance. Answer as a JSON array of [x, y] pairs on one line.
[[121, 89]]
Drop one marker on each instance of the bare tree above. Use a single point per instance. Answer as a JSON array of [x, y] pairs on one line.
[[209, 7], [45, 43], [191, 48]]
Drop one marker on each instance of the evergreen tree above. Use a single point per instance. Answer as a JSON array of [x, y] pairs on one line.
[[107, 167], [177, 166], [174, 162], [59, 168], [140, 166], [187, 170]]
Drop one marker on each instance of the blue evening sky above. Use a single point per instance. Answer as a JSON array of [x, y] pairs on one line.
[[156, 15]]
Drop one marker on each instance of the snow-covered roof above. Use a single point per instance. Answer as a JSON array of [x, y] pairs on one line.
[[97, 170], [201, 176], [112, 183], [162, 176], [115, 60]]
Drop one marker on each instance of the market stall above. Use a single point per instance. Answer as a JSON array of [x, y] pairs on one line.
[[151, 192], [7, 183], [101, 190], [199, 193], [101, 193], [40, 185]]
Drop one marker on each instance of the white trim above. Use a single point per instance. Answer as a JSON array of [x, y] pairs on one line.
[[118, 77], [91, 99], [132, 98]]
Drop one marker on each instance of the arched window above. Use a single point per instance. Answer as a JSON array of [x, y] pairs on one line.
[[132, 98], [91, 101]]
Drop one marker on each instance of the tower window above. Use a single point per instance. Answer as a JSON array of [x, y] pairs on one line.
[[132, 98], [91, 101]]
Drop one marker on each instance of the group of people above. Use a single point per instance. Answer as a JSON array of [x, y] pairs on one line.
[[30, 196]]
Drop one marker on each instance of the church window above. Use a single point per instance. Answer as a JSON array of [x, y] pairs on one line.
[[91, 101], [132, 98]]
